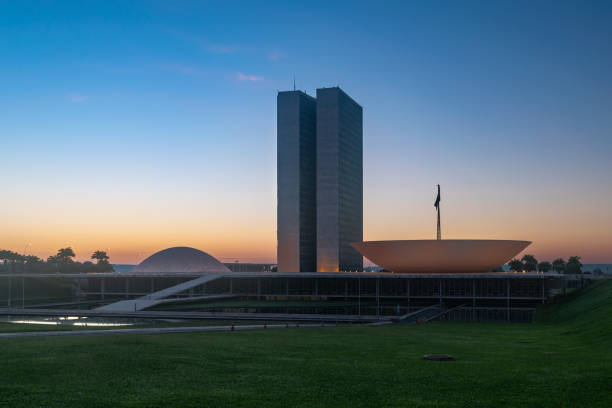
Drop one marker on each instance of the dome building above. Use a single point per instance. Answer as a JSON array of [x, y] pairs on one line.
[[181, 260]]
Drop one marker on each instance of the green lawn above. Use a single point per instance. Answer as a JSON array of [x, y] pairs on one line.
[[563, 360]]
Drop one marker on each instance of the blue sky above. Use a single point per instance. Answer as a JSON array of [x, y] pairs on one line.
[[138, 125]]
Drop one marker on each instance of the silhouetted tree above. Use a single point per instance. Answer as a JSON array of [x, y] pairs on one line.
[[33, 259], [88, 267], [102, 262], [10, 256], [530, 263], [5, 257], [62, 261], [100, 256], [558, 265], [65, 255], [544, 266], [33, 263], [573, 265], [11, 259], [516, 265]]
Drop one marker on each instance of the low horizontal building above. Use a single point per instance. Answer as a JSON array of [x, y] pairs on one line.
[[188, 275], [484, 297], [249, 267]]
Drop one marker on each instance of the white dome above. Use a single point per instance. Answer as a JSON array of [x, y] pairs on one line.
[[181, 260]]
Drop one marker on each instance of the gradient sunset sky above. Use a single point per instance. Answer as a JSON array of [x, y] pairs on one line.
[[135, 126]]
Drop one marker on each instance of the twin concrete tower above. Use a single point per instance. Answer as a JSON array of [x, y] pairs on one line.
[[319, 181]]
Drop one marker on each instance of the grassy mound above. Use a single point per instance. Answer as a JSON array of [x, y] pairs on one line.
[[586, 313]]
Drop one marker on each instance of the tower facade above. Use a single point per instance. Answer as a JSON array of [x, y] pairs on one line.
[[319, 181], [296, 182], [339, 181]]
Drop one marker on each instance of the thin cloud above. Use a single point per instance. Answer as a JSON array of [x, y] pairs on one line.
[[210, 46], [77, 98], [220, 49], [181, 69], [276, 55], [248, 77]]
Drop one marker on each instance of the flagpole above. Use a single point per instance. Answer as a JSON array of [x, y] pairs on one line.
[[439, 229], [437, 205]]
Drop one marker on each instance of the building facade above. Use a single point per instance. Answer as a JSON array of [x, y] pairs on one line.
[[296, 182], [339, 181], [319, 181]]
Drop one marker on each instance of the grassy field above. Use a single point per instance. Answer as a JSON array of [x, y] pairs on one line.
[[563, 360]]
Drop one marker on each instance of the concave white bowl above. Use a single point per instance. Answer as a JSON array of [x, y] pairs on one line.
[[443, 256]]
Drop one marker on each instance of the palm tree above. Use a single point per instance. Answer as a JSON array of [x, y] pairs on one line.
[[100, 256], [65, 255], [32, 262], [558, 265], [32, 259], [530, 263], [102, 265], [573, 265], [4, 257], [544, 266], [516, 265], [62, 261], [10, 258]]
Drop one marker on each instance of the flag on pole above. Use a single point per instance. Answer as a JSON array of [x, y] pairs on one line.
[[437, 203]]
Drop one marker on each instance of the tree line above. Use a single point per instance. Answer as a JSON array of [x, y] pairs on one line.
[[62, 262], [529, 263]]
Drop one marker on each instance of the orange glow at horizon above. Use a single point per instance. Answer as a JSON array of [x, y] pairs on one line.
[[238, 226], [131, 238], [131, 233]]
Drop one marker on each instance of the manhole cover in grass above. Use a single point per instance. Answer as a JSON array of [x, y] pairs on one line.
[[438, 357]]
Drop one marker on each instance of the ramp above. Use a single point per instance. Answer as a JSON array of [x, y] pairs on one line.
[[152, 299], [443, 312], [426, 314], [419, 316]]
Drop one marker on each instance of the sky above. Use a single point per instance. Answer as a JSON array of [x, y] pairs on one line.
[[132, 126]]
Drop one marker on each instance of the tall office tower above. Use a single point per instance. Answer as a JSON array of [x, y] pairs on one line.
[[296, 182], [339, 181]]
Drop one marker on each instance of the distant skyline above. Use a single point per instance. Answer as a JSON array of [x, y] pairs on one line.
[[136, 126]]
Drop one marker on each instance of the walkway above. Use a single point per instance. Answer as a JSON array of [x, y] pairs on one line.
[[152, 330], [158, 314], [156, 298]]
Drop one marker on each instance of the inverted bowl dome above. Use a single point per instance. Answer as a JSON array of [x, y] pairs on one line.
[[443, 256]]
